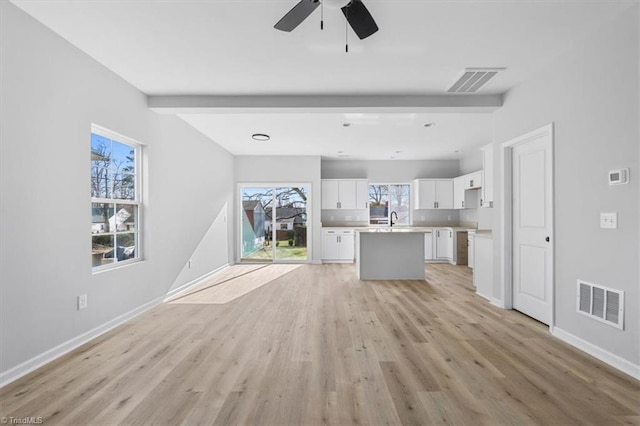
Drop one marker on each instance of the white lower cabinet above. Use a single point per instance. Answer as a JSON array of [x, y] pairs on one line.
[[470, 253], [428, 246], [338, 245], [483, 266], [444, 244]]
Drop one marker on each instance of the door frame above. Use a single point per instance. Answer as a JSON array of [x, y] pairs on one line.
[[506, 224], [238, 203]]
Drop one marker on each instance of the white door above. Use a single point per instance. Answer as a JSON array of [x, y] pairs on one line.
[[532, 227]]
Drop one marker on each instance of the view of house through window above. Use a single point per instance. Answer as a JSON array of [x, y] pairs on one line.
[[387, 198], [115, 198], [274, 223]]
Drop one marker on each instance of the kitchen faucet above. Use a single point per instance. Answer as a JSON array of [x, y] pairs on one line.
[[391, 217]]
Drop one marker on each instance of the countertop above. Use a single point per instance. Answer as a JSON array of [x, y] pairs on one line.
[[396, 230]]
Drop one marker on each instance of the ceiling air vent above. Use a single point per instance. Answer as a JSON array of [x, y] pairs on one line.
[[473, 79], [601, 303]]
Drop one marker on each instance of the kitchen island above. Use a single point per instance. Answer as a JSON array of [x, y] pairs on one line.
[[390, 253]]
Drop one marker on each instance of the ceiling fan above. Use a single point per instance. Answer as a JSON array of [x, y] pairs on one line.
[[354, 11]]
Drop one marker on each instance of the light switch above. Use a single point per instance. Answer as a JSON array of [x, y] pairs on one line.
[[609, 220]]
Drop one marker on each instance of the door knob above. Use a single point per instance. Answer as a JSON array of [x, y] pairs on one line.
[[547, 239]]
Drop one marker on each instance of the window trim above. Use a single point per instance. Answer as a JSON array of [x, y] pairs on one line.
[[137, 201], [410, 211]]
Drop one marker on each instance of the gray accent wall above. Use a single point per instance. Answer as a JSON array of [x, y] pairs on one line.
[[389, 171], [591, 95], [51, 94]]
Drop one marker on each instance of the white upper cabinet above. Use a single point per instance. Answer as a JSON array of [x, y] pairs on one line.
[[459, 186], [362, 194], [433, 193], [486, 193], [347, 194], [344, 194], [473, 180]]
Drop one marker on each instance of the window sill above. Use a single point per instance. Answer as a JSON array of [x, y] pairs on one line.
[[111, 267]]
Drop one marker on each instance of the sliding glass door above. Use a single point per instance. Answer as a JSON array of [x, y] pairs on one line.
[[274, 223]]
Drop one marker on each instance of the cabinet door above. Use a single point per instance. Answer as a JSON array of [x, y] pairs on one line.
[[347, 192], [362, 194], [426, 194], [486, 194], [444, 193], [458, 192], [330, 194], [442, 244], [346, 246], [329, 245], [474, 180], [428, 246]]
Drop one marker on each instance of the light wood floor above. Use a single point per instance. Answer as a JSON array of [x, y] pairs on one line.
[[317, 346]]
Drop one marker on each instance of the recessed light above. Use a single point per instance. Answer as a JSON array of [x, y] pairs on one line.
[[429, 124], [398, 152], [260, 137], [346, 124]]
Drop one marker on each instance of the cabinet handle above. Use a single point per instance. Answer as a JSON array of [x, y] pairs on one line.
[[481, 202], [434, 204], [438, 233], [472, 184], [450, 234], [463, 204]]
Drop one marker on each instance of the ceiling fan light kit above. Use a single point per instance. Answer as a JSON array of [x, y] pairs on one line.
[[355, 12]]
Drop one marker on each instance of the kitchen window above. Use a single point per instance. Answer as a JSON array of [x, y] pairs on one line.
[[115, 199], [387, 198]]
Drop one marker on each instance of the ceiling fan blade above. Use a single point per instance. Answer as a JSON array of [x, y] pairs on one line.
[[360, 19], [295, 16]]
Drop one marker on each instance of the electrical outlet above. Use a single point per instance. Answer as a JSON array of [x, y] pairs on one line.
[[421, 217], [449, 217], [609, 220], [82, 301]]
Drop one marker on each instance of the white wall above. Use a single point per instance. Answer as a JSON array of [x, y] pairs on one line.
[[591, 96], [51, 93], [283, 169]]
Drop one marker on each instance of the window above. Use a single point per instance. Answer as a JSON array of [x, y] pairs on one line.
[[115, 199], [387, 198]]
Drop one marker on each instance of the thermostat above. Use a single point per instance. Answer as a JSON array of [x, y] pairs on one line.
[[618, 177]]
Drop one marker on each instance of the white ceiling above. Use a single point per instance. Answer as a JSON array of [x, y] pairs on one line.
[[230, 48]]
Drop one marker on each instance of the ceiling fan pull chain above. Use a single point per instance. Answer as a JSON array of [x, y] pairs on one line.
[[346, 31]]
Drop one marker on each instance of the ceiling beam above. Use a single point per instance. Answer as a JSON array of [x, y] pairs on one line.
[[197, 104]]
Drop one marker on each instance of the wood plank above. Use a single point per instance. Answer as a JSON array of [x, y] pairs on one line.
[[314, 345]]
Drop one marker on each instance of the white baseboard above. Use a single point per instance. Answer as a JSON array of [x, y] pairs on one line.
[[613, 360], [193, 282], [38, 361]]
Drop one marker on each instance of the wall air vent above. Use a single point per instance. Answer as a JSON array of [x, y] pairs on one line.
[[473, 79], [601, 303]]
